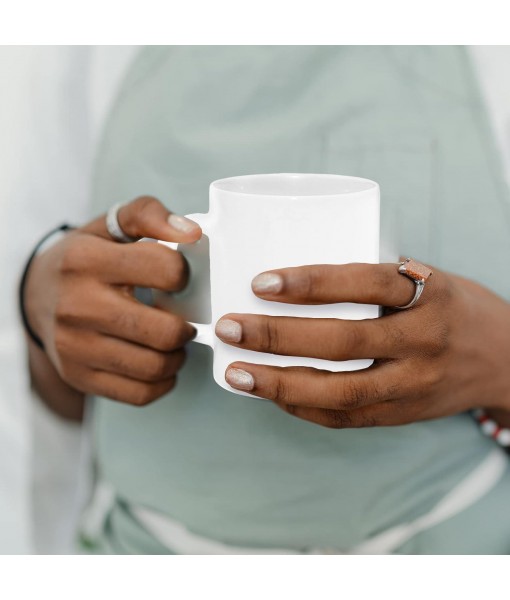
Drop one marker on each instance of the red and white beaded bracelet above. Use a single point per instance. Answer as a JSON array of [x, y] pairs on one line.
[[500, 434]]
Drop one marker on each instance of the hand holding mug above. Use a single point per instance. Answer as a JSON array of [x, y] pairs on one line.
[[79, 301], [447, 354]]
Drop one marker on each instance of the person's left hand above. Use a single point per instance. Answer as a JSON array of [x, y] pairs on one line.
[[447, 354]]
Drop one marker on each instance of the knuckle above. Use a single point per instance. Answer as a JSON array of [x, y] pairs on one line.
[[158, 369], [352, 339], [352, 395], [367, 421], [71, 258], [309, 280], [394, 391], [144, 394], [338, 419], [168, 267], [432, 376], [437, 342], [395, 334], [61, 342], [140, 217], [281, 393], [170, 336], [271, 336], [163, 366], [70, 262], [118, 364], [122, 321], [79, 254], [143, 203], [380, 279], [141, 395], [65, 312], [179, 273], [161, 340]]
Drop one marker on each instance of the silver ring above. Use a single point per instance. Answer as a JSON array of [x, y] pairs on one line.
[[420, 285], [113, 227], [416, 272]]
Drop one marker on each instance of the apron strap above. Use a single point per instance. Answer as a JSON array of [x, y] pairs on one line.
[[471, 489], [176, 537]]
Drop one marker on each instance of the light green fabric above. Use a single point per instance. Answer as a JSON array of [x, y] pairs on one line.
[[237, 469]]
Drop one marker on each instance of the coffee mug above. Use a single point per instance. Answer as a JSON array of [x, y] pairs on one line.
[[259, 223]]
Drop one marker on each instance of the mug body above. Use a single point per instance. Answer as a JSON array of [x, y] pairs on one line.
[[262, 222]]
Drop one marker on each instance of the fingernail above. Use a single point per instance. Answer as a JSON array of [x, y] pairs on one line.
[[267, 283], [239, 379], [181, 223], [228, 330]]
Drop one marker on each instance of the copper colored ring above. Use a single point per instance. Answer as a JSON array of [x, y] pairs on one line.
[[416, 272]]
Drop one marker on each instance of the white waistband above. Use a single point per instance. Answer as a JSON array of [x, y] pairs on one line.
[[471, 489], [178, 539]]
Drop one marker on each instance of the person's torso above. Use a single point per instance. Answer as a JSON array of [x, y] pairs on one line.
[[237, 469]]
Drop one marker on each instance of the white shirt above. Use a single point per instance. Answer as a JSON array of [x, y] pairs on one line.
[[51, 116]]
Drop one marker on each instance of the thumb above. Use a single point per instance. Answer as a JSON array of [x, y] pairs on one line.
[[147, 217]]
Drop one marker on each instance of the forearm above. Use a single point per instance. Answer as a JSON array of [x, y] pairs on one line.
[[60, 397]]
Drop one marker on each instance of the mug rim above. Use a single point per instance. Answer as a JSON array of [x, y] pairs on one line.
[[368, 184]]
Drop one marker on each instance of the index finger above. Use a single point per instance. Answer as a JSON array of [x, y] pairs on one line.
[[328, 284], [148, 217]]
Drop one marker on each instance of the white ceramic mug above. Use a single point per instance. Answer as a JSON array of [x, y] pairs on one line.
[[258, 223]]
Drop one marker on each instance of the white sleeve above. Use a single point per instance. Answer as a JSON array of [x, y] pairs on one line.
[[491, 65], [59, 97]]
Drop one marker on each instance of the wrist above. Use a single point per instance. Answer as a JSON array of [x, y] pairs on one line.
[[31, 302], [499, 415], [25, 296], [496, 430]]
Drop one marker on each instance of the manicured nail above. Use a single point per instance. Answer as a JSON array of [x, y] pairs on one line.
[[267, 283], [239, 379], [228, 330], [181, 223]]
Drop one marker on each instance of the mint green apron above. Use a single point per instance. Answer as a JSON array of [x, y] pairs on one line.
[[239, 470]]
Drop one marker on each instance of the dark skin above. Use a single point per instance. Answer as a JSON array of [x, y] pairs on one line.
[[446, 355], [98, 338]]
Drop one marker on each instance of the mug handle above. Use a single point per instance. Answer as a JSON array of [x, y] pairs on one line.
[[205, 332]]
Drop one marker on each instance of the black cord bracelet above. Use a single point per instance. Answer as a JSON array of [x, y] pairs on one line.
[[21, 290]]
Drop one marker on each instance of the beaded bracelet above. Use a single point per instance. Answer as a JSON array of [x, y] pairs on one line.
[[491, 429], [21, 290]]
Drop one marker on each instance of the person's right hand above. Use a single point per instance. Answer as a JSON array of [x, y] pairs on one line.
[[79, 300]]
